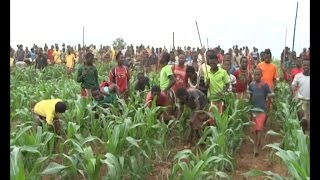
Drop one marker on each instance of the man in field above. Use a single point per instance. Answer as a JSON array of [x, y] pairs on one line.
[[301, 87], [47, 111]]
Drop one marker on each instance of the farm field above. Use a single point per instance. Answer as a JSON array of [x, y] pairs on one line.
[[131, 143]]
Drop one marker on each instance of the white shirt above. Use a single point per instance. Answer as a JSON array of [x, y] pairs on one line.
[[233, 81], [302, 82]]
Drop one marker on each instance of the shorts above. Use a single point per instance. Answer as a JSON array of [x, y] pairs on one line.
[[259, 119]]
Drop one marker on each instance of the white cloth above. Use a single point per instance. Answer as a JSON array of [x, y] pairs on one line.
[[233, 81], [302, 82]]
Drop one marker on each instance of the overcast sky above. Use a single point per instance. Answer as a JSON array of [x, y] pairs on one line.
[[259, 23]]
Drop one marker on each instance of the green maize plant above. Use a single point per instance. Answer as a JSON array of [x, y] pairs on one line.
[[201, 166]]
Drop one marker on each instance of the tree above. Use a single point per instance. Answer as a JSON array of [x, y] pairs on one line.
[[119, 44]]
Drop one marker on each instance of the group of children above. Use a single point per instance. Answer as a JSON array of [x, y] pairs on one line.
[[200, 86]]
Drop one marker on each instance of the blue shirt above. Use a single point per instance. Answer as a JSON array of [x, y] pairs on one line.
[[259, 92], [33, 55]]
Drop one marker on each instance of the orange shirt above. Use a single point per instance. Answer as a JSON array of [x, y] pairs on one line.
[[269, 73]]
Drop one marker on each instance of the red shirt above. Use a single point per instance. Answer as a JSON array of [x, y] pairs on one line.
[[120, 76], [181, 77], [308, 56], [244, 77], [295, 71], [220, 57], [50, 55], [163, 100]]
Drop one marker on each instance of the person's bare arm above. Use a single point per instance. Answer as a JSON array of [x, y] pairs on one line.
[[172, 82]]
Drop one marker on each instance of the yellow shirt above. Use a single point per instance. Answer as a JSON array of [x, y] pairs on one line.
[[46, 108], [56, 55], [70, 60], [113, 54], [11, 62]]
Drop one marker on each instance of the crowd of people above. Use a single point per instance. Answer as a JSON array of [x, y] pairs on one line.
[[188, 77]]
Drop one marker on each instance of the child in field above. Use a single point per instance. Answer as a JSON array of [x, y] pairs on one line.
[[269, 72], [196, 100], [88, 76], [259, 92], [142, 82], [244, 78], [233, 81], [71, 59], [218, 82], [46, 111], [161, 99], [180, 73], [167, 78], [289, 75], [120, 76], [193, 78], [301, 88]]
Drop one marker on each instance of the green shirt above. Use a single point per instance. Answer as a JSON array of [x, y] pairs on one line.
[[164, 77], [109, 99], [218, 80], [90, 80]]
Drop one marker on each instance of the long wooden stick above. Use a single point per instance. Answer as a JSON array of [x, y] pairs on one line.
[[205, 61], [294, 31]]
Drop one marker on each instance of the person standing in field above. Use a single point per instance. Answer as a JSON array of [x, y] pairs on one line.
[[195, 63], [288, 77], [193, 78], [227, 57], [120, 76], [180, 73], [50, 55], [167, 78], [301, 88], [154, 60], [269, 72], [71, 60], [259, 90], [63, 55], [255, 56], [218, 82], [244, 78], [233, 81], [41, 60], [88, 76], [57, 55], [236, 58], [47, 111]]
